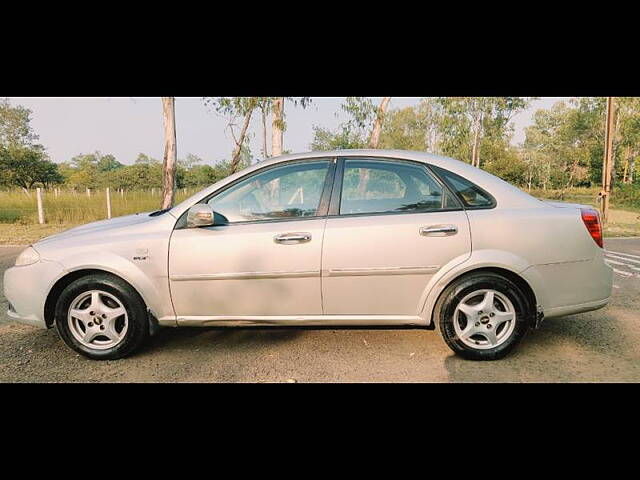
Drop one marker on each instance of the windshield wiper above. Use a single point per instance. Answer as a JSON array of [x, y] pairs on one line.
[[159, 212]]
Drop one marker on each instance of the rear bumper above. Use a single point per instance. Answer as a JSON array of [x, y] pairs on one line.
[[573, 309], [572, 287]]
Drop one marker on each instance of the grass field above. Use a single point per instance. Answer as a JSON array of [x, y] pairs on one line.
[[19, 212], [621, 199], [68, 208], [624, 214]]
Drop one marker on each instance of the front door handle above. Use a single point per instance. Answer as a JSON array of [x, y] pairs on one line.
[[292, 238], [439, 231]]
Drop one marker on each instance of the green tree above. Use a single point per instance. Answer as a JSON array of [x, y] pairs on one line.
[[138, 176], [407, 129], [145, 159], [350, 134], [90, 170], [565, 143], [15, 126], [324, 139], [22, 162], [234, 108], [27, 167], [108, 163], [628, 138], [504, 161], [469, 124]]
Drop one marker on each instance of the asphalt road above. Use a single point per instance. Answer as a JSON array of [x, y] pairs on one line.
[[600, 346]]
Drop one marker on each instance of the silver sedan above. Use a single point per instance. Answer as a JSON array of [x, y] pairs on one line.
[[352, 238]]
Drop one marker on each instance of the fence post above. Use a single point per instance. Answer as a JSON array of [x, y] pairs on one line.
[[40, 207], [122, 192], [88, 192], [108, 202]]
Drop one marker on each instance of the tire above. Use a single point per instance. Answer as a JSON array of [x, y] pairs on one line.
[[101, 317], [482, 316]]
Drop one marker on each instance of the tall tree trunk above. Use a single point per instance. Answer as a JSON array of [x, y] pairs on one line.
[[235, 160], [569, 184], [170, 152], [373, 143], [475, 150], [625, 175], [377, 126], [547, 177], [608, 162], [265, 153], [632, 166], [276, 144], [276, 127]]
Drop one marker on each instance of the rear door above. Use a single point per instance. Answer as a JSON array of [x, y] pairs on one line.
[[392, 225]]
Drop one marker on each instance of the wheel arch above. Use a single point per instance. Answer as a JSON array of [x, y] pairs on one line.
[[521, 282], [70, 277]]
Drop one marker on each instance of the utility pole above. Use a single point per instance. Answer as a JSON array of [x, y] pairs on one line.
[[607, 166]]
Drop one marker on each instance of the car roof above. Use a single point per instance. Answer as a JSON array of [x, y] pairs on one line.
[[506, 195]]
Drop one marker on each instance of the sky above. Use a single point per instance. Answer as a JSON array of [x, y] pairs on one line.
[[127, 126]]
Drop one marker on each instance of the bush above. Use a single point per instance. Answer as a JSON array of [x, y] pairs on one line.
[[626, 196], [10, 216]]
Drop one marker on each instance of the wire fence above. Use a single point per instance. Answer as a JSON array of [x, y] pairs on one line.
[[62, 206]]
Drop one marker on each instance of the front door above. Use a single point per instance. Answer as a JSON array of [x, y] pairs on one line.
[[391, 227], [264, 260]]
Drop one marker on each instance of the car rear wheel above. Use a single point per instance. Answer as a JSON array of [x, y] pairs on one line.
[[482, 316], [102, 317]]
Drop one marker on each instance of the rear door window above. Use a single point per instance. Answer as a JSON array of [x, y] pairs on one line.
[[375, 186]]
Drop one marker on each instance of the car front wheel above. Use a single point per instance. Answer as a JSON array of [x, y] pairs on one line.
[[482, 316], [102, 317]]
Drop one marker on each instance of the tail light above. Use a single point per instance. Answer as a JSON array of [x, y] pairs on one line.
[[591, 220]]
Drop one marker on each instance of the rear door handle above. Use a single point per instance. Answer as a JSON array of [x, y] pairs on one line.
[[439, 231], [292, 238]]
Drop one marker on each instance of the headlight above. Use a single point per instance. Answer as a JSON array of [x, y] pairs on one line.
[[27, 257]]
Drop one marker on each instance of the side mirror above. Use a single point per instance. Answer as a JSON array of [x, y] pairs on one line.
[[200, 215]]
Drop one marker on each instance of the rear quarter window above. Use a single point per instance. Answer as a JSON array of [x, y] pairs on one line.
[[469, 193]]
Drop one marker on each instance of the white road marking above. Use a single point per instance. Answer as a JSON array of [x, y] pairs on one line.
[[623, 258], [625, 274], [626, 260], [613, 262], [606, 260], [623, 254]]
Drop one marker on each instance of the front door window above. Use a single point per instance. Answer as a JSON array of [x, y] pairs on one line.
[[286, 192]]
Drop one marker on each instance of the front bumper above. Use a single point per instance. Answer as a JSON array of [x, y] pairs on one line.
[[26, 288]]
